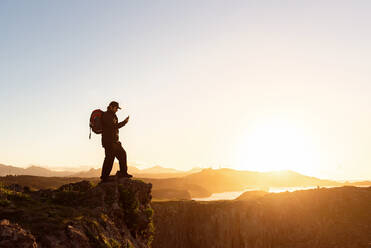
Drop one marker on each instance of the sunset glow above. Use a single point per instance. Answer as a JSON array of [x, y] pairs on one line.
[[278, 145], [249, 85]]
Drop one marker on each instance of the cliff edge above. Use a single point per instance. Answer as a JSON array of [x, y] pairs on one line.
[[317, 218], [114, 214]]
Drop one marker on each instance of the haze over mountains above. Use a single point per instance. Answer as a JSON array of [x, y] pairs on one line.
[[156, 171], [170, 183], [32, 171], [202, 176], [153, 172]]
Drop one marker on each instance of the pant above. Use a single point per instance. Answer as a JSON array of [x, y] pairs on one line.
[[114, 150]]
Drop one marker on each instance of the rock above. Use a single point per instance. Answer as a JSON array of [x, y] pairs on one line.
[[80, 240], [112, 214], [12, 235]]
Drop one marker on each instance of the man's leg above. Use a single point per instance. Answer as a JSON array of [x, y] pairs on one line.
[[108, 161], [121, 156]]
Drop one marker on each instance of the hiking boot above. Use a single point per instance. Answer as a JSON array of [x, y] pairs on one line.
[[128, 175], [121, 174]]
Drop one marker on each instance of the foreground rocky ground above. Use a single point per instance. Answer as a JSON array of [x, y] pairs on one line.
[[119, 214], [114, 214], [326, 218]]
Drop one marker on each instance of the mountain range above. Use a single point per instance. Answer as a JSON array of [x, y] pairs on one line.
[[223, 180], [170, 183], [153, 172], [32, 171]]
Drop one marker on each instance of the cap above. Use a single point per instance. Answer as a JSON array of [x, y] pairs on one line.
[[114, 104]]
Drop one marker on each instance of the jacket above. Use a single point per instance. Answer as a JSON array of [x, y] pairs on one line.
[[111, 127]]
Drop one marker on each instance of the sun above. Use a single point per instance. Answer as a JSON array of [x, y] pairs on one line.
[[277, 145]]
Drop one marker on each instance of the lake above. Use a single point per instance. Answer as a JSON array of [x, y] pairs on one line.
[[233, 195]]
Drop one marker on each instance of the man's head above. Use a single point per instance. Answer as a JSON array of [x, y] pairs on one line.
[[113, 106]]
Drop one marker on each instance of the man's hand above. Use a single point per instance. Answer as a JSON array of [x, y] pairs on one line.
[[126, 120]]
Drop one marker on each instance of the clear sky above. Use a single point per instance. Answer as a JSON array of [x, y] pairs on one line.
[[254, 85]]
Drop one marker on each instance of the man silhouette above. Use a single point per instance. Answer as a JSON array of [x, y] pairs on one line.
[[111, 143]]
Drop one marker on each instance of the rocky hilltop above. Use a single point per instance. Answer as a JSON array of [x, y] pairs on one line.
[[113, 214], [335, 217]]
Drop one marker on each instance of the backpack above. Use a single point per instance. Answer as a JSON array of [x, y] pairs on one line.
[[96, 122]]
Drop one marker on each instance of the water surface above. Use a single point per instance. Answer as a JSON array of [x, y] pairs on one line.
[[234, 194]]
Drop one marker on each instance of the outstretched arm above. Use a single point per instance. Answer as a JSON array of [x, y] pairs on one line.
[[123, 123]]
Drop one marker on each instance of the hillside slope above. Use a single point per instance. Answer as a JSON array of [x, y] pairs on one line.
[[336, 217], [223, 180]]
